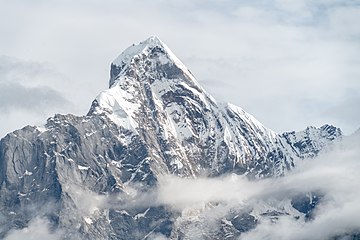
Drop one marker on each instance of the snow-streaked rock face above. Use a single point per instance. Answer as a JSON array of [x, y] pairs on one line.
[[74, 163], [155, 118]]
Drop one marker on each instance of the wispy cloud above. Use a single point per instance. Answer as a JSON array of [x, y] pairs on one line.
[[28, 92], [38, 99], [37, 229]]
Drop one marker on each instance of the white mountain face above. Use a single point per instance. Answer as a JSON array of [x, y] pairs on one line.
[[154, 119]]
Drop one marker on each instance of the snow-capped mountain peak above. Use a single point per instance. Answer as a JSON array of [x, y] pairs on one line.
[[150, 50], [147, 75], [136, 49], [153, 94]]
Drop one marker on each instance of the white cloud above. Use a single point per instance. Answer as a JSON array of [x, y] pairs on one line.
[[87, 202], [182, 193], [37, 229]]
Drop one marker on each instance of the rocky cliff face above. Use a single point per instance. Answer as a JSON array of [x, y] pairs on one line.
[[154, 119]]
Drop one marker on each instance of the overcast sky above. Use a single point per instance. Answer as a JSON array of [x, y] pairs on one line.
[[290, 63]]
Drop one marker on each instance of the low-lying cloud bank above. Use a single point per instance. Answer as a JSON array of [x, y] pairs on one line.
[[334, 174]]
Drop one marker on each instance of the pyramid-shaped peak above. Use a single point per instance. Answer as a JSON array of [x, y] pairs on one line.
[[137, 49], [153, 39], [144, 50]]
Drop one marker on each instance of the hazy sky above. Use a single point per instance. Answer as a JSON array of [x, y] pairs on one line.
[[289, 63]]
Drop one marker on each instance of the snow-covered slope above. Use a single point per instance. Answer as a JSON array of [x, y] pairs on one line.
[[154, 119]]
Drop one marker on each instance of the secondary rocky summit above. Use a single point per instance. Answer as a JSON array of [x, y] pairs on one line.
[[154, 119]]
